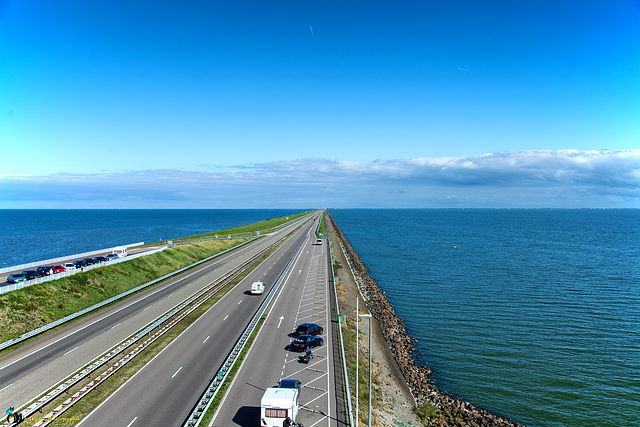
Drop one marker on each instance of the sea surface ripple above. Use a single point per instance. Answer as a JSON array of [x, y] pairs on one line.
[[531, 314]]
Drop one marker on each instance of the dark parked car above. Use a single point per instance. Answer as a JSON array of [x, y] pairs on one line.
[[31, 274], [308, 329], [289, 384], [88, 261], [100, 259], [79, 263], [16, 277], [45, 270], [305, 342]]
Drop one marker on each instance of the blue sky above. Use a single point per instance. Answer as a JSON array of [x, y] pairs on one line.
[[312, 104]]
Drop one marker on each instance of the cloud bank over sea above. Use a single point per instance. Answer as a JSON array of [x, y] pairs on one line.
[[518, 179]]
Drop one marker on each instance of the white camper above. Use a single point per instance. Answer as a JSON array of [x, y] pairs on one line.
[[121, 251], [277, 405]]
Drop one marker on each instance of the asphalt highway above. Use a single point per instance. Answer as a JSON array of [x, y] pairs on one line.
[[166, 389], [31, 369], [303, 298]]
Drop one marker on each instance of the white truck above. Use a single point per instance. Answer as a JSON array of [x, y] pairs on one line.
[[277, 405]]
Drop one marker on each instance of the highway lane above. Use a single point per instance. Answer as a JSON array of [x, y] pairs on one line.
[[305, 298], [165, 390], [31, 369]]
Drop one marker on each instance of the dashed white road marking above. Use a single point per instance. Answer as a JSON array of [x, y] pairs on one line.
[[70, 351], [179, 369]]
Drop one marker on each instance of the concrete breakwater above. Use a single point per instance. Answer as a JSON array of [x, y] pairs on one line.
[[451, 410]]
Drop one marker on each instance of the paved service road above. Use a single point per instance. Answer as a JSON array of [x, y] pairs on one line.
[[29, 370], [166, 389], [304, 298]]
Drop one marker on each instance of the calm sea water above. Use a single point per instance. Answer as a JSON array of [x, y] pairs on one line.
[[531, 314], [34, 235]]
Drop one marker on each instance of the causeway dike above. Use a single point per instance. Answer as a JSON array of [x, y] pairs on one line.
[[451, 410]]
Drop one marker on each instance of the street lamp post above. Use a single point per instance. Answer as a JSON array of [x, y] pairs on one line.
[[357, 363], [369, 316]]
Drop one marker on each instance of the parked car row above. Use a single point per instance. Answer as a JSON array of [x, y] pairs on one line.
[[306, 337], [47, 270]]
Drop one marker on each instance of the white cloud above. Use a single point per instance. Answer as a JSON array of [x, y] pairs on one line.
[[560, 178]]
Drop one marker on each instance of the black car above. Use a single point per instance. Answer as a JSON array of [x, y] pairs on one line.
[[16, 277], [31, 274], [45, 270], [88, 261], [100, 259], [308, 329], [305, 342], [289, 384], [79, 263]]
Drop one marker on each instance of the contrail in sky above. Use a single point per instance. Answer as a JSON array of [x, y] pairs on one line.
[[311, 28], [468, 71]]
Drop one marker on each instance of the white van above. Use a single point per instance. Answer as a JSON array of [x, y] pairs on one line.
[[277, 405], [257, 288]]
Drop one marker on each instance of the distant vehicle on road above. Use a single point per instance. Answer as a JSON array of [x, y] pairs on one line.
[[31, 274], [308, 329], [79, 263], [305, 342], [16, 277], [111, 257], [88, 261], [69, 266], [100, 259], [318, 241], [257, 288], [59, 269]]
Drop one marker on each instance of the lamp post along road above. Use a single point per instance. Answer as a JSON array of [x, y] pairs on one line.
[[368, 316], [357, 341]]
